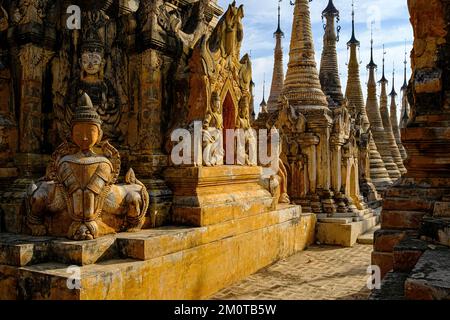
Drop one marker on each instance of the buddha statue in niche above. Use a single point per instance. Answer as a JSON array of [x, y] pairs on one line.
[[243, 123], [213, 152], [92, 80], [80, 181]]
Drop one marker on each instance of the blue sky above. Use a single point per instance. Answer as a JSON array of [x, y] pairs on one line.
[[391, 28]]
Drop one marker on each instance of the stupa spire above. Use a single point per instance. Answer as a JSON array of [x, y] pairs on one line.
[[329, 71], [376, 173], [353, 91], [388, 132], [376, 122], [302, 85], [405, 108], [263, 104], [278, 73], [394, 118], [383, 77]]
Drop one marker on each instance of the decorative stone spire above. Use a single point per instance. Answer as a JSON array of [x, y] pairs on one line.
[[404, 118], [302, 84], [356, 104], [353, 92], [376, 122], [329, 71], [390, 138], [263, 104], [278, 73], [393, 117]]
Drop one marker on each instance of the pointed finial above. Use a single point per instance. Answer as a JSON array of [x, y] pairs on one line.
[[330, 10], [393, 93], [279, 31], [405, 83], [383, 78], [264, 87], [263, 102], [353, 40], [371, 64]]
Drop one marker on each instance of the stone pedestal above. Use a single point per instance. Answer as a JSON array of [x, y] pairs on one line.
[[163, 263], [209, 195]]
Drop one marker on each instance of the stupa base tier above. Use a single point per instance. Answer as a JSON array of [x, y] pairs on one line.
[[208, 195], [163, 263]]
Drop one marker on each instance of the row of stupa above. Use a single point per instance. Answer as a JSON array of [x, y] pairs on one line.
[[306, 88]]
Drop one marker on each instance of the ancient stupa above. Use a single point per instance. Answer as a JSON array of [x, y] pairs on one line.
[[378, 173], [394, 119], [395, 153], [376, 123]]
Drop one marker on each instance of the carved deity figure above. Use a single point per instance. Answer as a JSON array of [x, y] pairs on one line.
[[231, 31], [243, 123], [213, 151], [92, 81], [80, 181]]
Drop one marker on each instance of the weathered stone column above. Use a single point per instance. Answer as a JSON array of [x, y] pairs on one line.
[[33, 61], [146, 137], [336, 164]]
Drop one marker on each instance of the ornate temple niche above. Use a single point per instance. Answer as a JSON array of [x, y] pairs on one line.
[[215, 67], [229, 111]]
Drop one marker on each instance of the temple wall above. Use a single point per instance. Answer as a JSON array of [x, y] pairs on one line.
[[419, 199]]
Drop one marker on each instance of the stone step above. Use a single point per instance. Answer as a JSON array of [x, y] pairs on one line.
[[436, 230], [430, 278], [367, 238], [407, 252], [343, 234], [23, 250], [392, 287]]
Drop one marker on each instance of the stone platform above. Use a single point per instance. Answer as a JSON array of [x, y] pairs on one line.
[[205, 196], [162, 263], [345, 231]]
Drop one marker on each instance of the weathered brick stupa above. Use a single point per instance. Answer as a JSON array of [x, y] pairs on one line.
[[371, 167], [376, 124], [413, 248], [393, 148], [394, 119]]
